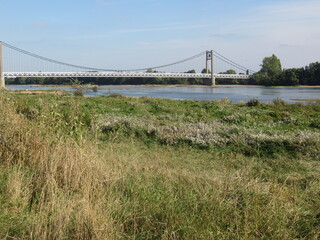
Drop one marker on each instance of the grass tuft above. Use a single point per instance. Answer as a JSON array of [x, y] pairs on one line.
[[253, 103]]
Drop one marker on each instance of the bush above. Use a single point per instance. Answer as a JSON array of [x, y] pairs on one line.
[[116, 95], [279, 102], [95, 89], [78, 93], [253, 103]]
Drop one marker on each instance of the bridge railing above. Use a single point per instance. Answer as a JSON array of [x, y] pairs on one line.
[[123, 74]]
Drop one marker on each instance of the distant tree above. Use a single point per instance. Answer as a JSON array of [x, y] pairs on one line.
[[150, 70], [289, 78], [270, 72], [191, 71], [313, 73], [20, 80], [228, 80], [271, 66], [205, 70], [260, 79], [230, 71]]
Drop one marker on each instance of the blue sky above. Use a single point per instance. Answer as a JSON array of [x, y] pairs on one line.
[[141, 33]]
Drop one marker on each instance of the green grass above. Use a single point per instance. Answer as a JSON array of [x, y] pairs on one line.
[[139, 168]]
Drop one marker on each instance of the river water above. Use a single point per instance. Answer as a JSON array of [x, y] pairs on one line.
[[233, 93]]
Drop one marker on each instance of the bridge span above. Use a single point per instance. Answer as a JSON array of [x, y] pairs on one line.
[[20, 63], [122, 74]]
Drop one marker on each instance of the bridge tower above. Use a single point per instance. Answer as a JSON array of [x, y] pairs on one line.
[[2, 82], [213, 79], [209, 57]]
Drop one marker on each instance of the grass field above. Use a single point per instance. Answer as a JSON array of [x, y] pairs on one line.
[[140, 168]]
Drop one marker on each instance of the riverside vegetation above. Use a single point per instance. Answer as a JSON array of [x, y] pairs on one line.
[[139, 168]]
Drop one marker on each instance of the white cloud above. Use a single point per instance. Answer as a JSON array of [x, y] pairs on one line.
[[290, 30], [295, 23]]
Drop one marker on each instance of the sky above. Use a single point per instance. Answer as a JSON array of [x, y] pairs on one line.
[[124, 34]]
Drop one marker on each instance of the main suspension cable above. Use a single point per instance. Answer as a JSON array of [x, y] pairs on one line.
[[98, 69], [223, 58]]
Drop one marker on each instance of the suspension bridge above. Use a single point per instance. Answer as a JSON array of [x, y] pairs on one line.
[[16, 62]]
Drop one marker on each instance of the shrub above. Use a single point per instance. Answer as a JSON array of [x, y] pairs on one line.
[[253, 103], [95, 89], [116, 95], [279, 102], [78, 93]]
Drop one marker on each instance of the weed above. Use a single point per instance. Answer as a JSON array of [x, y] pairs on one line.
[[253, 103], [78, 93], [95, 89], [116, 95], [279, 102]]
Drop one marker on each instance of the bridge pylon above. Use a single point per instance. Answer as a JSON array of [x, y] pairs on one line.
[[213, 79], [209, 57], [2, 81]]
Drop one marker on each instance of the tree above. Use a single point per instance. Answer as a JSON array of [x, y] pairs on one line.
[[20, 80], [271, 66], [270, 72], [191, 71], [313, 73], [230, 71], [150, 70], [289, 78], [205, 71], [228, 80]]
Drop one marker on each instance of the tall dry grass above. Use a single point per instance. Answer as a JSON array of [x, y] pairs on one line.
[[57, 184]]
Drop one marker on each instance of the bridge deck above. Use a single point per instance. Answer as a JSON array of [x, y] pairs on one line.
[[122, 74]]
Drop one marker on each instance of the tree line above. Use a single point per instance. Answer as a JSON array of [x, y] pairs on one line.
[[272, 74], [105, 81]]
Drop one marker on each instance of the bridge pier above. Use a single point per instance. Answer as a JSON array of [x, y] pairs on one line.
[[2, 81], [213, 81]]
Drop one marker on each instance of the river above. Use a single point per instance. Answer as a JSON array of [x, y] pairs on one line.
[[233, 93]]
